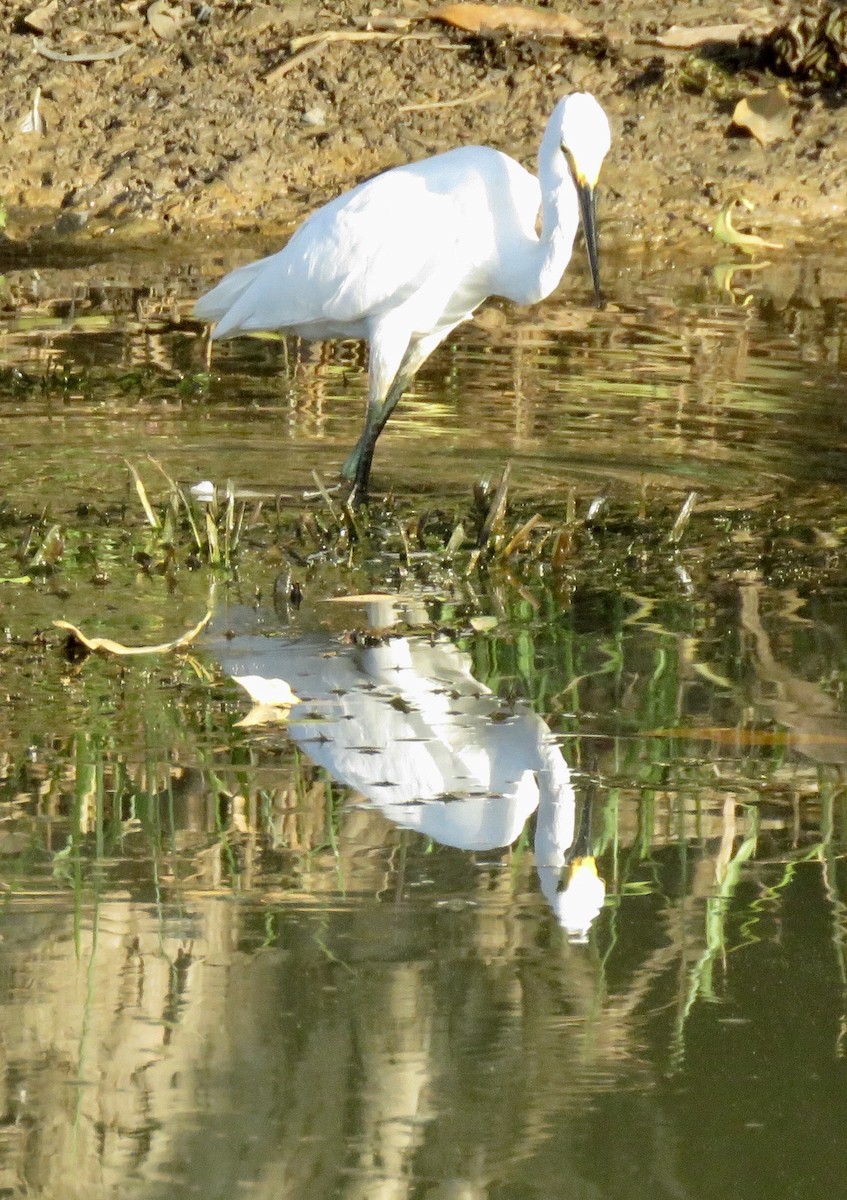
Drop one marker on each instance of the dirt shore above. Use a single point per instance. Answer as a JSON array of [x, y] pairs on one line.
[[213, 117]]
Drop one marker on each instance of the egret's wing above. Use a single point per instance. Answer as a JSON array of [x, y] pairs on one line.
[[366, 252], [397, 235]]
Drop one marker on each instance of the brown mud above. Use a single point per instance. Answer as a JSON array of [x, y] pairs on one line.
[[214, 119]]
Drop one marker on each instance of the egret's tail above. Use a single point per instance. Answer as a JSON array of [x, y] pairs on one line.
[[218, 304]]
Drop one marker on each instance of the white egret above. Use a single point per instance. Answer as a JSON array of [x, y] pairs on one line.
[[406, 256]]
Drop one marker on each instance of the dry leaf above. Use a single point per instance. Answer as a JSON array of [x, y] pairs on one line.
[[482, 18], [767, 115], [683, 37], [107, 646]]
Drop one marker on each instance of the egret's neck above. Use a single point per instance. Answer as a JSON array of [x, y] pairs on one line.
[[546, 264]]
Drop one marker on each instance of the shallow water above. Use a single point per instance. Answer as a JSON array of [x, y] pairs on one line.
[[536, 886]]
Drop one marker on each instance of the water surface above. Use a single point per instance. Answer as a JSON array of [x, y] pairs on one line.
[[536, 887]]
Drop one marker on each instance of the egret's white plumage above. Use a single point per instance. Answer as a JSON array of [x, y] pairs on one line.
[[405, 257]]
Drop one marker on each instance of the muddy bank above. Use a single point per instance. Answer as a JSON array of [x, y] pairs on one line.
[[223, 121]]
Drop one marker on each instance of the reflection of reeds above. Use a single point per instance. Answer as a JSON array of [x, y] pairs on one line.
[[332, 972], [658, 791]]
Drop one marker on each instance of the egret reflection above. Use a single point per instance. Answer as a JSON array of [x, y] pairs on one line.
[[403, 721]]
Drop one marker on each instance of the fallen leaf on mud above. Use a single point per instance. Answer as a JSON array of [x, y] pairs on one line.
[[41, 18], [767, 115], [724, 231], [683, 37], [164, 20], [107, 646], [483, 18]]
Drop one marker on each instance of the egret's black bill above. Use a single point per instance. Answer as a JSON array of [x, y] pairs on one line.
[[589, 229]]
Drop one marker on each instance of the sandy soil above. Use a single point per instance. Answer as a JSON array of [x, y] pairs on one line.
[[214, 127]]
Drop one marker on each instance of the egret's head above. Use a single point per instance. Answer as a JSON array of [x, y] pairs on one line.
[[585, 136]]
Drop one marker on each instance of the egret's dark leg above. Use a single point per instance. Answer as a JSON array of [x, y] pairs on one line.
[[357, 467], [367, 438], [390, 350]]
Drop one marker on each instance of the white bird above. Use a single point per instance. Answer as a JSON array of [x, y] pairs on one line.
[[406, 256]]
